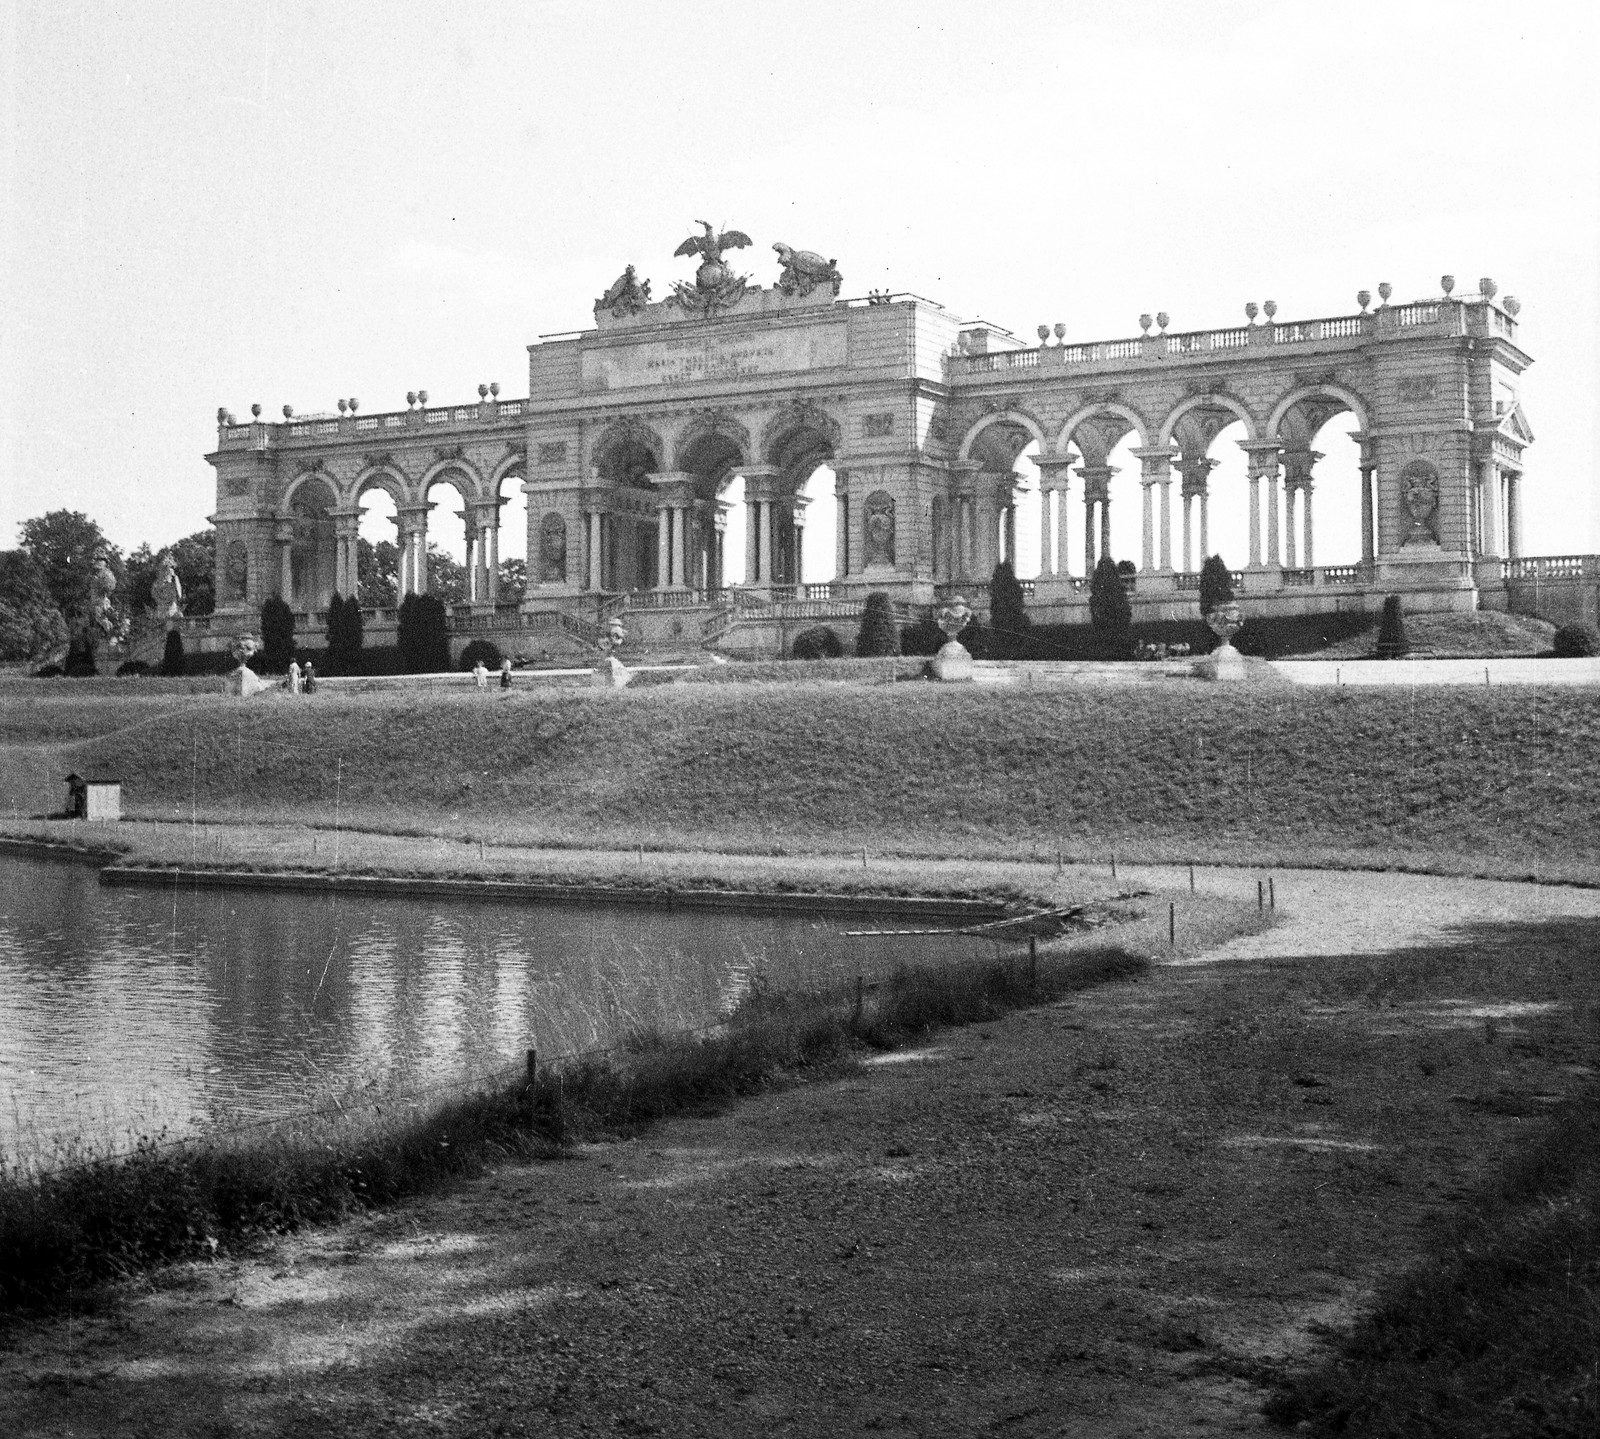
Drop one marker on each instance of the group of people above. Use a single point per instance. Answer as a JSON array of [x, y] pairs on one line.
[[301, 681], [480, 675]]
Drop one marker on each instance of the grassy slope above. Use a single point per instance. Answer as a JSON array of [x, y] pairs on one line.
[[1497, 780], [1450, 635]]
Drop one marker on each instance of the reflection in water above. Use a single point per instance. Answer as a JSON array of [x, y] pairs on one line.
[[126, 1011]]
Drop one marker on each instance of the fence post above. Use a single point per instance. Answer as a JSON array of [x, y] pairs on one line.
[[1191, 879], [533, 1064], [1261, 895], [1172, 925], [1272, 895]]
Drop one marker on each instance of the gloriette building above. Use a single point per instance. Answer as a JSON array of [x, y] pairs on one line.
[[633, 431]]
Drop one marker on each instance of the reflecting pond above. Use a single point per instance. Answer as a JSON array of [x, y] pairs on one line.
[[128, 1011]]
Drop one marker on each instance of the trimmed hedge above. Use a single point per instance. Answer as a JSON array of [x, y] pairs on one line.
[[485, 650], [1574, 642], [817, 643]]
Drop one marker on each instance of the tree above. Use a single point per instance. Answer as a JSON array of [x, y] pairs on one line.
[[486, 650], [424, 635], [80, 654], [1392, 643], [66, 545], [879, 634], [817, 643], [172, 661], [1109, 610], [447, 580], [1216, 585], [513, 581], [194, 557], [31, 624], [377, 574], [277, 636], [1009, 622], [345, 635]]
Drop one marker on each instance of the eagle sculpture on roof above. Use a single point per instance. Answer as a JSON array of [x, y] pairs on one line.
[[711, 244], [715, 285]]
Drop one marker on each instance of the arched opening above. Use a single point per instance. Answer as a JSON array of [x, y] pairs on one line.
[[1106, 483], [1212, 489], [707, 514], [1004, 503], [1323, 511], [451, 536], [789, 502], [621, 544], [312, 546], [377, 547], [509, 538]]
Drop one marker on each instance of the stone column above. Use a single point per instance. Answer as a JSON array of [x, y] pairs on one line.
[[1291, 548], [841, 535], [346, 535], [494, 558], [1489, 508], [1096, 492], [964, 519], [1147, 560], [1156, 469], [680, 545], [1263, 465], [719, 579], [1309, 558], [1513, 514], [284, 536]]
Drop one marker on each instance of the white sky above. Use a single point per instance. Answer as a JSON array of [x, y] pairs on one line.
[[218, 203]]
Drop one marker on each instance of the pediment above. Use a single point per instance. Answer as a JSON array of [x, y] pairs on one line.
[[1514, 424]]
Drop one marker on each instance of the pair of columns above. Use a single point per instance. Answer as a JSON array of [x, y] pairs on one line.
[[767, 536], [483, 552], [1499, 511]]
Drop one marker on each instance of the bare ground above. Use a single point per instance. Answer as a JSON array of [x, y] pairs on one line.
[[1111, 1216]]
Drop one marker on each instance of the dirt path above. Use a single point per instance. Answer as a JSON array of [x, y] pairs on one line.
[[1098, 1218]]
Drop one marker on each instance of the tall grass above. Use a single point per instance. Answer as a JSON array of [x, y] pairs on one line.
[[103, 1218]]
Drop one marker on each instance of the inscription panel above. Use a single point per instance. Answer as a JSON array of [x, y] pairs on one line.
[[705, 357]]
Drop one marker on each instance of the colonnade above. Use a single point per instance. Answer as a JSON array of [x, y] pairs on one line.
[[1497, 511]]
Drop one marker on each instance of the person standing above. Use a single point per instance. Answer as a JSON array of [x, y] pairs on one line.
[[293, 682], [480, 675], [311, 679], [505, 674]]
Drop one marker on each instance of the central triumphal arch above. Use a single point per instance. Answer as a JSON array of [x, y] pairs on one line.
[[643, 438]]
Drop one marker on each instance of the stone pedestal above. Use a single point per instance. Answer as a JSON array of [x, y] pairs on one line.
[[953, 663], [611, 674], [1223, 663]]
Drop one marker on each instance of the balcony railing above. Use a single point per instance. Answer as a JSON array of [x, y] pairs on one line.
[[1552, 567], [261, 433]]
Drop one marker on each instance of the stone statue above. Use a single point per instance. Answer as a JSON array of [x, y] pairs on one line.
[[805, 270], [101, 587], [627, 296], [715, 285], [167, 591]]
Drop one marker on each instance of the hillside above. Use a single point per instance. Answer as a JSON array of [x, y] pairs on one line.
[[1498, 779]]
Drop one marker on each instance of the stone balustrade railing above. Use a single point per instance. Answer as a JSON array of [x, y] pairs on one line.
[[262, 434], [1552, 567], [1473, 315]]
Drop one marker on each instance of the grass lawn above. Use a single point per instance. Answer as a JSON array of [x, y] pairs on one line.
[[1480, 781]]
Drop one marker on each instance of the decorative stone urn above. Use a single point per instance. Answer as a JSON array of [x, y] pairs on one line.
[[612, 673], [953, 663], [244, 680], [1224, 662]]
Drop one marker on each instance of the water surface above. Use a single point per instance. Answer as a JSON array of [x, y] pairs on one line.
[[132, 1011]]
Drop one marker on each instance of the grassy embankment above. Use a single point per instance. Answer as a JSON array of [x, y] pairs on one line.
[[1491, 781], [104, 1218]]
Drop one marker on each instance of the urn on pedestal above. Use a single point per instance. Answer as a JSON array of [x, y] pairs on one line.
[[954, 660]]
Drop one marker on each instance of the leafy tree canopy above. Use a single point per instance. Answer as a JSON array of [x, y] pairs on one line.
[[31, 625], [65, 545]]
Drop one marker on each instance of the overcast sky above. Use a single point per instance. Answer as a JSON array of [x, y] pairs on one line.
[[213, 204]]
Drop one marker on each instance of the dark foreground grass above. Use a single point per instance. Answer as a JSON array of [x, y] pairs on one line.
[[69, 1229], [1497, 1334], [1501, 777]]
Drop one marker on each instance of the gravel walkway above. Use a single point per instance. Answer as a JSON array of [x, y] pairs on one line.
[[1099, 1218]]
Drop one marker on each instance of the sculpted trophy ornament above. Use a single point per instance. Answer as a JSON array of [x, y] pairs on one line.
[[715, 286], [628, 295], [1419, 488], [805, 271]]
